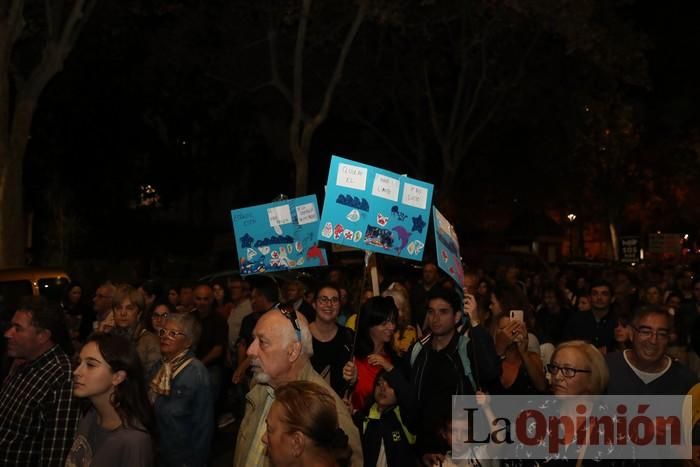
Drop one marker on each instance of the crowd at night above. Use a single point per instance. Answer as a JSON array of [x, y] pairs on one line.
[[188, 190]]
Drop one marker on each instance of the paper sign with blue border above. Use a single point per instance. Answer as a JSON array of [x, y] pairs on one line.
[[376, 210], [447, 248], [278, 236]]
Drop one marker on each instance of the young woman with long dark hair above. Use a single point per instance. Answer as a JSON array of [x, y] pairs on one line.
[[117, 428], [373, 348]]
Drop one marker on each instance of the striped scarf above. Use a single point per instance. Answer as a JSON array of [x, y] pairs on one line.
[[160, 384]]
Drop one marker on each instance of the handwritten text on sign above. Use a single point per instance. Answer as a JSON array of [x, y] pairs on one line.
[[306, 213], [415, 196], [280, 215], [352, 176], [386, 187]]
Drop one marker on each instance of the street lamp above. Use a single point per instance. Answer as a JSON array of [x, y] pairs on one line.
[[572, 217]]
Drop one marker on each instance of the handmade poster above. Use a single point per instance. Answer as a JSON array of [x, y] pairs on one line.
[[278, 236], [376, 210], [447, 248]]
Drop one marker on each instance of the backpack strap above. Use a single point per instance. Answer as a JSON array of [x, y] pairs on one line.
[[417, 347], [462, 343]]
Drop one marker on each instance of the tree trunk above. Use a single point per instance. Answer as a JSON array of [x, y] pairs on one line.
[[302, 175], [12, 234], [300, 152]]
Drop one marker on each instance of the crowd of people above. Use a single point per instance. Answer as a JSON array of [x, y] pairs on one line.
[[330, 375]]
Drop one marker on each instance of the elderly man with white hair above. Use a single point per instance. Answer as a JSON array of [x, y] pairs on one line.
[[280, 353]]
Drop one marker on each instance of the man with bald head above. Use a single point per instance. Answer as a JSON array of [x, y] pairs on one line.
[[279, 353]]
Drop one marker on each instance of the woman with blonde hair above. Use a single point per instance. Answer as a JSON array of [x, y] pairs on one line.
[[405, 335], [303, 430], [577, 368], [128, 308]]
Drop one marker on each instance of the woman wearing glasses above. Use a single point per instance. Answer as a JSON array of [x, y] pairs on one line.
[[332, 342], [182, 400], [160, 312], [577, 368]]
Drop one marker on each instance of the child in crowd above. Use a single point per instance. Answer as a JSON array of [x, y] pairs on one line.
[[460, 454], [387, 423]]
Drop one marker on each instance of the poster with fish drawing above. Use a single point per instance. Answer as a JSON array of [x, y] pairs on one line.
[[447, 248], [278, 236], [373, 209]]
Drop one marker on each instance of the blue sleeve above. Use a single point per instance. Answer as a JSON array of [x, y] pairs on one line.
[[203, 417]]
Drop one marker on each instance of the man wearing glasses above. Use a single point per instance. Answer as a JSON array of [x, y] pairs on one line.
[[280, 353], [645, 368]]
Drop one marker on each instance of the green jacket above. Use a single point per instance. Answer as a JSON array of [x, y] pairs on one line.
[[255, 401]]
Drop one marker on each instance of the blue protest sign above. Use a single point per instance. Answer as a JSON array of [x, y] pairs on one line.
[[278, 236], [447, 248], [376, 210]]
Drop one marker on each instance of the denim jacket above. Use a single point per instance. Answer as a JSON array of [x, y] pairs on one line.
[[185, 418]]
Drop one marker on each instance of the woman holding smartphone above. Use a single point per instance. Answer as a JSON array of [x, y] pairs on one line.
[[522, 371]]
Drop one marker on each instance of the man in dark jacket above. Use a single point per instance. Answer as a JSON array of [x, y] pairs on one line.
[[441, 368]]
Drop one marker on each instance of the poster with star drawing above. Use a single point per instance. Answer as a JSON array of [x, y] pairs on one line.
[[447, 248], [373, 209], [278, 236]]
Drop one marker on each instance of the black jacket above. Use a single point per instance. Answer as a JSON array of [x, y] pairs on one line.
[[395, 426]]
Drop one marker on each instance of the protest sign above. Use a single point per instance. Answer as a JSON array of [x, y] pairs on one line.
[[631, 248], [376, 210], [447, 248], [278, 236]]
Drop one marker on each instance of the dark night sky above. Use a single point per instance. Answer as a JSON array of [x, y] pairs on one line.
[[94, 139]]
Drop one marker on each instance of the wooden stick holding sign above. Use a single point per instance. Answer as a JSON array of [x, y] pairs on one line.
[[369, 258]]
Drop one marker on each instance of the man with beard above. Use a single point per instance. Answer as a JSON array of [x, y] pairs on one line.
[[279, 353]]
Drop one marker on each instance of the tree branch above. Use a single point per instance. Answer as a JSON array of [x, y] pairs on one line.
[[340, 63], [387, 142], [431, 104], [476, 95], [74, 24], [461, 80], [276, 80], [16, 21], [463, 143], [55, 52], [298, 70], [50, 20]]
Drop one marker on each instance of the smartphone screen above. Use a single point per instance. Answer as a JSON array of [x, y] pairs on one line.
[[516, 315]]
